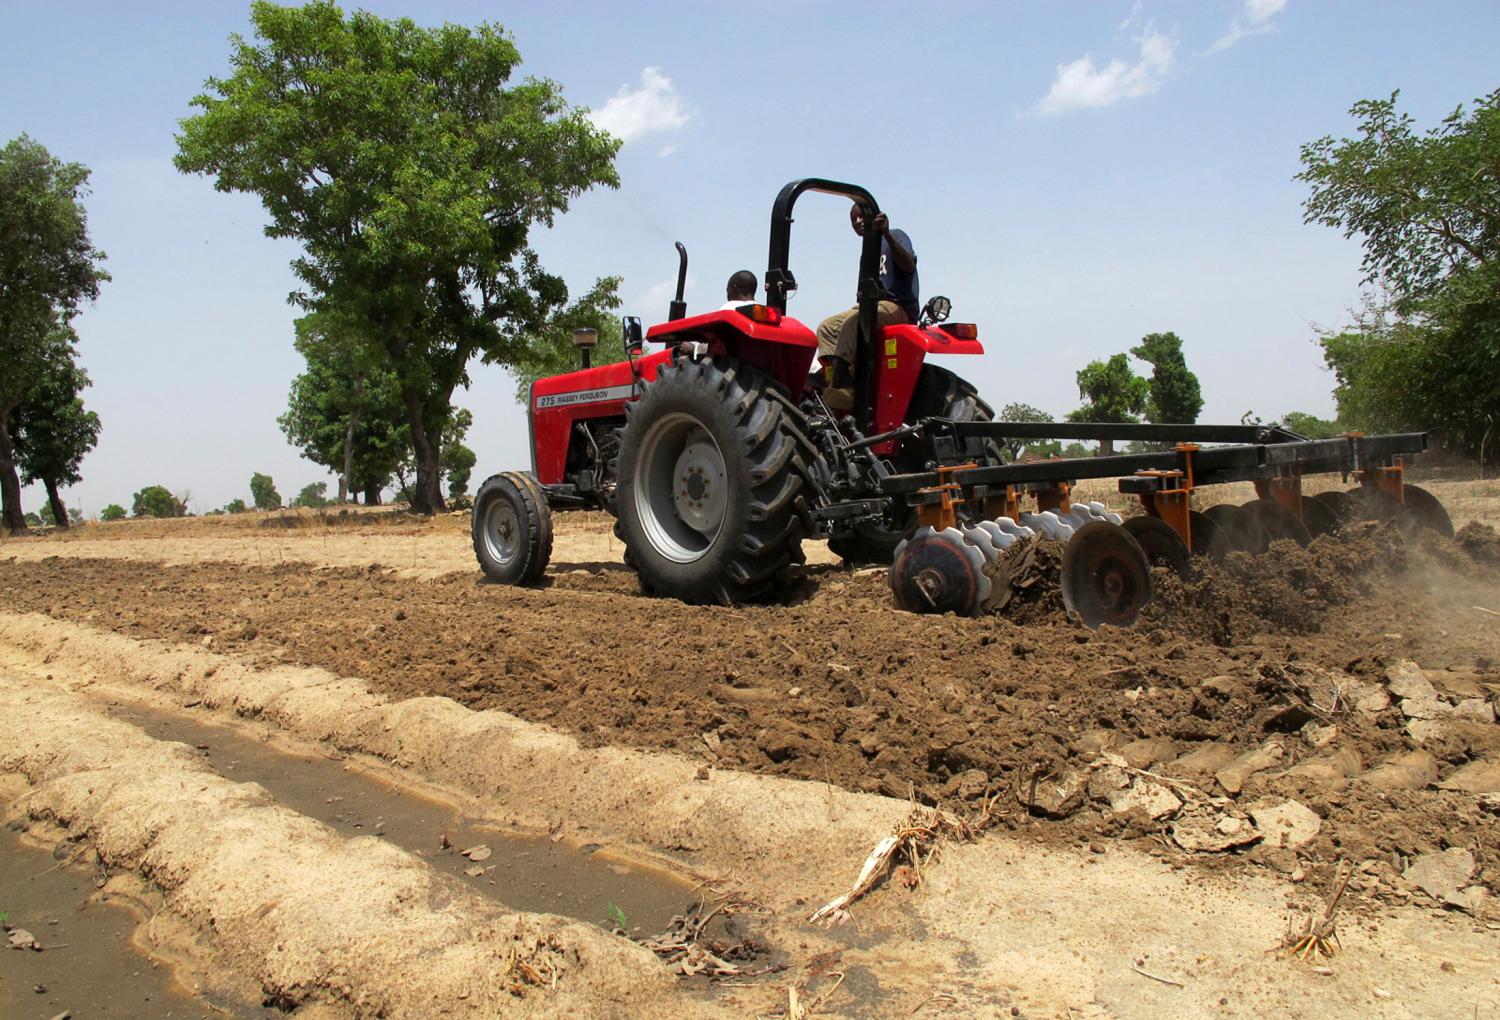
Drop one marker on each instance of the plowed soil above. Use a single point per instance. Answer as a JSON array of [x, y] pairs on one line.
[[839, 687]]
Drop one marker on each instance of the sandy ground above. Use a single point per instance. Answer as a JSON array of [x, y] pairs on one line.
[[1006, 922], [1330, 704]]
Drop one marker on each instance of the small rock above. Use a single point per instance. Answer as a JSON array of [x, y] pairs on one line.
[[1319, 736], [478, 853], [1153, 798], [20, 938], [1210, 834], [1299, 874], [1233, 776], [1477, 709], [1481, 777], [1330, 771], [1425, 708], [1204, 760], [474, 872], [1060, 796], [1424, 730], [1455, 685], [1142, 754], [1380, 993], [1443, 876], [795, 692], [1288, 824], [1413, 770], [1405, 679], [1097, 741]]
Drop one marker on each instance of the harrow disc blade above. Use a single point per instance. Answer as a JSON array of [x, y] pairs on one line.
[[1277, 521], [1243, 530], [1369, 503], [1049, 524], [1318, 517], [938, 572], [1105, 575], [1427, 510], [1338, 502], [1161, 544], [1104, 513], [1208, 538]]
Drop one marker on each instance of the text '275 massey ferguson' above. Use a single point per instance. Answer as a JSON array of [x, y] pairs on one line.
[[718, 458]]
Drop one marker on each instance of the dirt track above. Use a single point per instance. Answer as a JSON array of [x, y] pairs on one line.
[[840, 689]]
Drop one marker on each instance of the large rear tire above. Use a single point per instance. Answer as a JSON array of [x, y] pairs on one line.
[[939, 394], [713, 493], [512, 528]]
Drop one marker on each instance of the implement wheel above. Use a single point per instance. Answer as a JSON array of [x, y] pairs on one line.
[[1105, 575], [711, 490], [1163, 546], [512, 529], [939, 394]]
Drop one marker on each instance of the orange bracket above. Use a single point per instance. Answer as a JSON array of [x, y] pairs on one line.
[[937, 508], [1284, 489], [1055, 498], [1174, 505], [1008, 505], [1388, 478]]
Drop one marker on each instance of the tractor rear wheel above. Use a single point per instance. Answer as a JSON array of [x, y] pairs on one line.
[[512, 528], [939, 394], [712, 493]]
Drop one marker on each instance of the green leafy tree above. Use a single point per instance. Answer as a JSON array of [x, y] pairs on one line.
[[1312, 426], [551, 351], [113, 512], [53, 432], [1037, 448], [48, 269], [411, 171], [1425, 353], [345, 410], [1112, 392], [235, 506], [156, 501], [263, 492], [458, 465], [34, 520], [313, 495], [1175, 397]]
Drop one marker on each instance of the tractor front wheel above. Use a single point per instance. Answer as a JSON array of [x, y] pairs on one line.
[[512, 529], [712, 493]]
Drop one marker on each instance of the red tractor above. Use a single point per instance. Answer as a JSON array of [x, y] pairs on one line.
[[716, 456]]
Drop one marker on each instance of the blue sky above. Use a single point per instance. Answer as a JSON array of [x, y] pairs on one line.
[[1072, 175]]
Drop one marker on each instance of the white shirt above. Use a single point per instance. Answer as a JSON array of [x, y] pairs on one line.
[[729, 306]]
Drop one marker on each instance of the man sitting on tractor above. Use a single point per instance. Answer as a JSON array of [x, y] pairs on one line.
[[839, 333], [740, 290]]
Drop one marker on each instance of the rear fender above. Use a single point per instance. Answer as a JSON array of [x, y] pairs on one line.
[[783, 350], [901, 351]]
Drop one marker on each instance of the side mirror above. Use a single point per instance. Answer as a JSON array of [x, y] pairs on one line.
[[630, 330], [938, 309]]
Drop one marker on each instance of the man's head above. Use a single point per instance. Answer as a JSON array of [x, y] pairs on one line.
[[742, 286], [857, 219]]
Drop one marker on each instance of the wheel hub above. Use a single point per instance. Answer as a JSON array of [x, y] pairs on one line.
[[681, 488], [699, 492]]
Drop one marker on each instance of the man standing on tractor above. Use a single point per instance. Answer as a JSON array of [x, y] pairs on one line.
[[740, 290], [899, 303]]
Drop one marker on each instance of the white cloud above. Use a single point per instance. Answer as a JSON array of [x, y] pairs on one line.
[[651, 108], [666, 150], [1258, 20], [1081, 85], [657, 296]]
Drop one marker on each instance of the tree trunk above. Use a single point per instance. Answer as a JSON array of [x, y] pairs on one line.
[[1106, 447], [427, 491], [372, 494], [359, 385], [10, 482], [59, 512]]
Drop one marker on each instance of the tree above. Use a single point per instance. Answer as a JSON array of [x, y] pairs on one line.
[[313, 495], [1175, 397], [235, 506], [345, 411], [1312, 426], [263, 492], [1024, 413], [1425, 352], [52, 432], [113, 512], [1112, 393], [1427, 206], [156, 501], [411, 173], [48, 268], [458, 465]]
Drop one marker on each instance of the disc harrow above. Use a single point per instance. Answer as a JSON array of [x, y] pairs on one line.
[[976, 542]]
